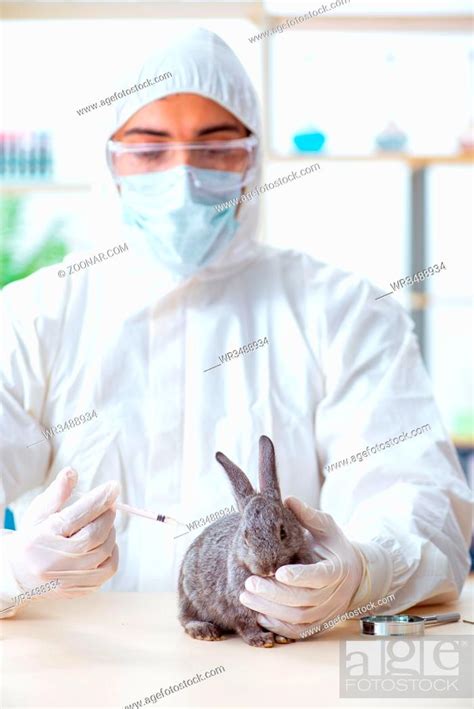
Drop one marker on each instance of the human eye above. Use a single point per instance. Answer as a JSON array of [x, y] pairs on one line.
[[207, 156], [152, 156]]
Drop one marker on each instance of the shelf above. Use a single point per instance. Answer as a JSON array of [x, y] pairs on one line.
[[406, 23], [463, 443], [21, 10], [422, 301], [415, 161], [73, 10], [26, 187]]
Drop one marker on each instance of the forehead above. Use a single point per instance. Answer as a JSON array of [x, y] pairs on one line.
[[259, 504], [183, 116]]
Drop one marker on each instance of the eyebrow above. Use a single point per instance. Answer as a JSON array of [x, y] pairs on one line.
[[164, 134]]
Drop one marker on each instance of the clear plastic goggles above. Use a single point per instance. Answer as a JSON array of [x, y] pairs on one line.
[[237, 156]]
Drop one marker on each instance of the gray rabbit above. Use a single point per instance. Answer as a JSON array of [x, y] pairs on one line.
[[260, 538]]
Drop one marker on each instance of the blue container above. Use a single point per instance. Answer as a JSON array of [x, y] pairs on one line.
[[309, 142], [9, 522]]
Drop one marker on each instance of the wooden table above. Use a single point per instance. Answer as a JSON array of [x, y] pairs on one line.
[[114, 649]]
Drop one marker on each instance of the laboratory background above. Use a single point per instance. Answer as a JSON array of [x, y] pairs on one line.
[[379, 93]]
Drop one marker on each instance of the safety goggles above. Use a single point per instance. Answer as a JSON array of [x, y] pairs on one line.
[[239, 156]]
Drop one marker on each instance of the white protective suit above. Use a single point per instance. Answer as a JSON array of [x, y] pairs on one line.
[[340, 371]]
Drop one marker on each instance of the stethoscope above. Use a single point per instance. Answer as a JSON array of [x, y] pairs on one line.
[[403, 624]]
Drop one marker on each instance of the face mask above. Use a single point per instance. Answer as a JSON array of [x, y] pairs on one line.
[[175, 212]]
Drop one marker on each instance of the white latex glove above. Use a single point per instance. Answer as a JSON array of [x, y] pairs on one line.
[[304, 596], [74, 544]]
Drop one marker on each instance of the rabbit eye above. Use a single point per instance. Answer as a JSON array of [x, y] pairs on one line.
[[283, 534]]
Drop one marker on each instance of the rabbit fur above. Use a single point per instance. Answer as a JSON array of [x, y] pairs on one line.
[[260, 538]]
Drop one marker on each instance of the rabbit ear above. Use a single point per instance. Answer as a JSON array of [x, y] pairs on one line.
[[267, 474], [239, 481]]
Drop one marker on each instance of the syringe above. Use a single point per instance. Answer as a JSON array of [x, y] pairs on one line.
[[137, 511], [144, 513]]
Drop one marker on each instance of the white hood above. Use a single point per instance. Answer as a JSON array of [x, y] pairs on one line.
[[202, 63]]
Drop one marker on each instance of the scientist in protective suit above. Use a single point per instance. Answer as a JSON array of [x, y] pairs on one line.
[[336, 381]]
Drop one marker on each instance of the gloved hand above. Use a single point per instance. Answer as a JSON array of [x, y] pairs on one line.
[[74, 544], [304, 596]]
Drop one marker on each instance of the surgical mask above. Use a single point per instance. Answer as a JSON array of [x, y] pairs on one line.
[[175, 212]]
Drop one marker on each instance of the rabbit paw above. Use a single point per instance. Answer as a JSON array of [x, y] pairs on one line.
[[201, 630], [282, 640], [259, 639]]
